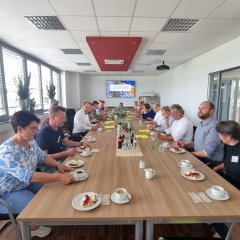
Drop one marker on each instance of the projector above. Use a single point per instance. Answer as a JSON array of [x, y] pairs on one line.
[[162, 67]]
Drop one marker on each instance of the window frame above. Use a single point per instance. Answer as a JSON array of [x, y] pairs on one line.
[[26, 57]]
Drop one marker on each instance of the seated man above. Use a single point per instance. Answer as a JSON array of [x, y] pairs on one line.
[[139, 109], [207, 144], [50, 138], [93, 115], [120, 106], [135, 105], [82, 124], [181, 129], [148, 113], [166, 120]]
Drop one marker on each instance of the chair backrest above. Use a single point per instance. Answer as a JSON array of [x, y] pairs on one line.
[[10, 216]]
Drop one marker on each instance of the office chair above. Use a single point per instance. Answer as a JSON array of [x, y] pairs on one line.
[[10, 216]]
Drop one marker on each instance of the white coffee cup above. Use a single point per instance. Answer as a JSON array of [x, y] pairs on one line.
[[85, 152], [120, 194], [100, 129], [218, 191], [185, 163], [165, 144]]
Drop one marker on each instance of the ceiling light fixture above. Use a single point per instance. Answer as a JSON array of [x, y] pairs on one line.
[[114, 61]]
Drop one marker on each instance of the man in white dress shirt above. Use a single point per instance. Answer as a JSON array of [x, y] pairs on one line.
[[182, 127], [82, 123]]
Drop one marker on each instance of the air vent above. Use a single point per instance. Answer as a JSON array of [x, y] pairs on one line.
[[46, 22], [72, 51], [136, 71], [89, 71], [155, 52], [179, 25], [83, 64]]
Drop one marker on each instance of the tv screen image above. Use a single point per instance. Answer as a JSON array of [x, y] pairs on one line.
[[120, 88]]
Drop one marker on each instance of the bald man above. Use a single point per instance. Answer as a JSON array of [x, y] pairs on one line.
[[82, 123], [207, 144]]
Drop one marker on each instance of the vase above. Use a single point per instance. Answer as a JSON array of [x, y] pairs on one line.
[[24, 104]]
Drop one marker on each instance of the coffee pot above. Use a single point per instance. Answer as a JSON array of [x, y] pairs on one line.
[[149, 173]]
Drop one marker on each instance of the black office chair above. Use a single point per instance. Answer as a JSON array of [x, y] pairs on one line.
[[10, 216]]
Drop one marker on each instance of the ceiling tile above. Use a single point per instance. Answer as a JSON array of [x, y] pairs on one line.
[[79, 23], [234, 28], [78, 57], [5, 9], [162, 46], [185, 45], [113, 34], [147, 24], [195, 9], [73, 7], [30, 7], [146, 35], [114, 7], [196, 37], [155, 8], [113, 23], [80, 36], [212, 25], [229, 9], [15, 22], [65, 44], [57, 35], [169, 37]]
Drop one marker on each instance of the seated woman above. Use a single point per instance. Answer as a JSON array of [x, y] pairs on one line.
[[19, 157], [229, 133]]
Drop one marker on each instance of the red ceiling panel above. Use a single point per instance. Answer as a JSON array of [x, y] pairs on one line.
[[114, 48]]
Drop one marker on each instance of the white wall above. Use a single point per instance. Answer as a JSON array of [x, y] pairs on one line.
[[70, 89], [94, 88], [188, 83]]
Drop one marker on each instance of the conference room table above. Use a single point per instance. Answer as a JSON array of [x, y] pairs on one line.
[[163, 199]]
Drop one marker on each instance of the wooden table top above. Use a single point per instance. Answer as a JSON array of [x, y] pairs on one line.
[[164, 197]]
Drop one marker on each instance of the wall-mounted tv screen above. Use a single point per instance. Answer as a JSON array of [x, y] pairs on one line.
[[120, 88]]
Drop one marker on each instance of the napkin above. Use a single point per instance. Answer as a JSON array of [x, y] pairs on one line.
[[144, 131], [105, 199], [199, 197], [109, 127], [95, 150], [142, 136], [109, 122]]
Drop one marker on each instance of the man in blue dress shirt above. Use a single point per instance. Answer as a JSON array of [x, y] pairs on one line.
[[207, 144], [148, 112]]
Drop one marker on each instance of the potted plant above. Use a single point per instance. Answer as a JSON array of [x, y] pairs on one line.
[[23, 91], [51, 91], [32, 104]]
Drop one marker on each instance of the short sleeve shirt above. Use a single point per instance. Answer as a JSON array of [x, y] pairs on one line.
[[49, 139], [17, 165]]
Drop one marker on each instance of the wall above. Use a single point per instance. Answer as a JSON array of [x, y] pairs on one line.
[[70, 89], [94, 88], [188, 83]]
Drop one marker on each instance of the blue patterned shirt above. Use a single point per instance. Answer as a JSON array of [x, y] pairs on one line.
[[206, 138], [17, 164]]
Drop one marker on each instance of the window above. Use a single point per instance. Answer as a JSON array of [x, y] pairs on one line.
[[46, 79], [35, 84], [13, 69], [15, 64]]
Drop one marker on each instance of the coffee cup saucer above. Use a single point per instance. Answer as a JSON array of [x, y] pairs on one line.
[[225, 196], [181, 166], [126, 200], [86, 155]]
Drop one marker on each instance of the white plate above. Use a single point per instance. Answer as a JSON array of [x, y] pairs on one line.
[[76, 202], [80, 176], [90, 154], [189, 165], [201, 176], [91, 140], [126, 200], [224, 197], [79, 163], [180, 151]]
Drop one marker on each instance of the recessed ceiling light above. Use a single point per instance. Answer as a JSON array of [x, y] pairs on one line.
[[113, 61], [72, 51], [83, 64], [46, 22], [155, 52]]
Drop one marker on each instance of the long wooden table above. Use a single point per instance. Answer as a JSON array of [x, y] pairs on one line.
[[164, 199]]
